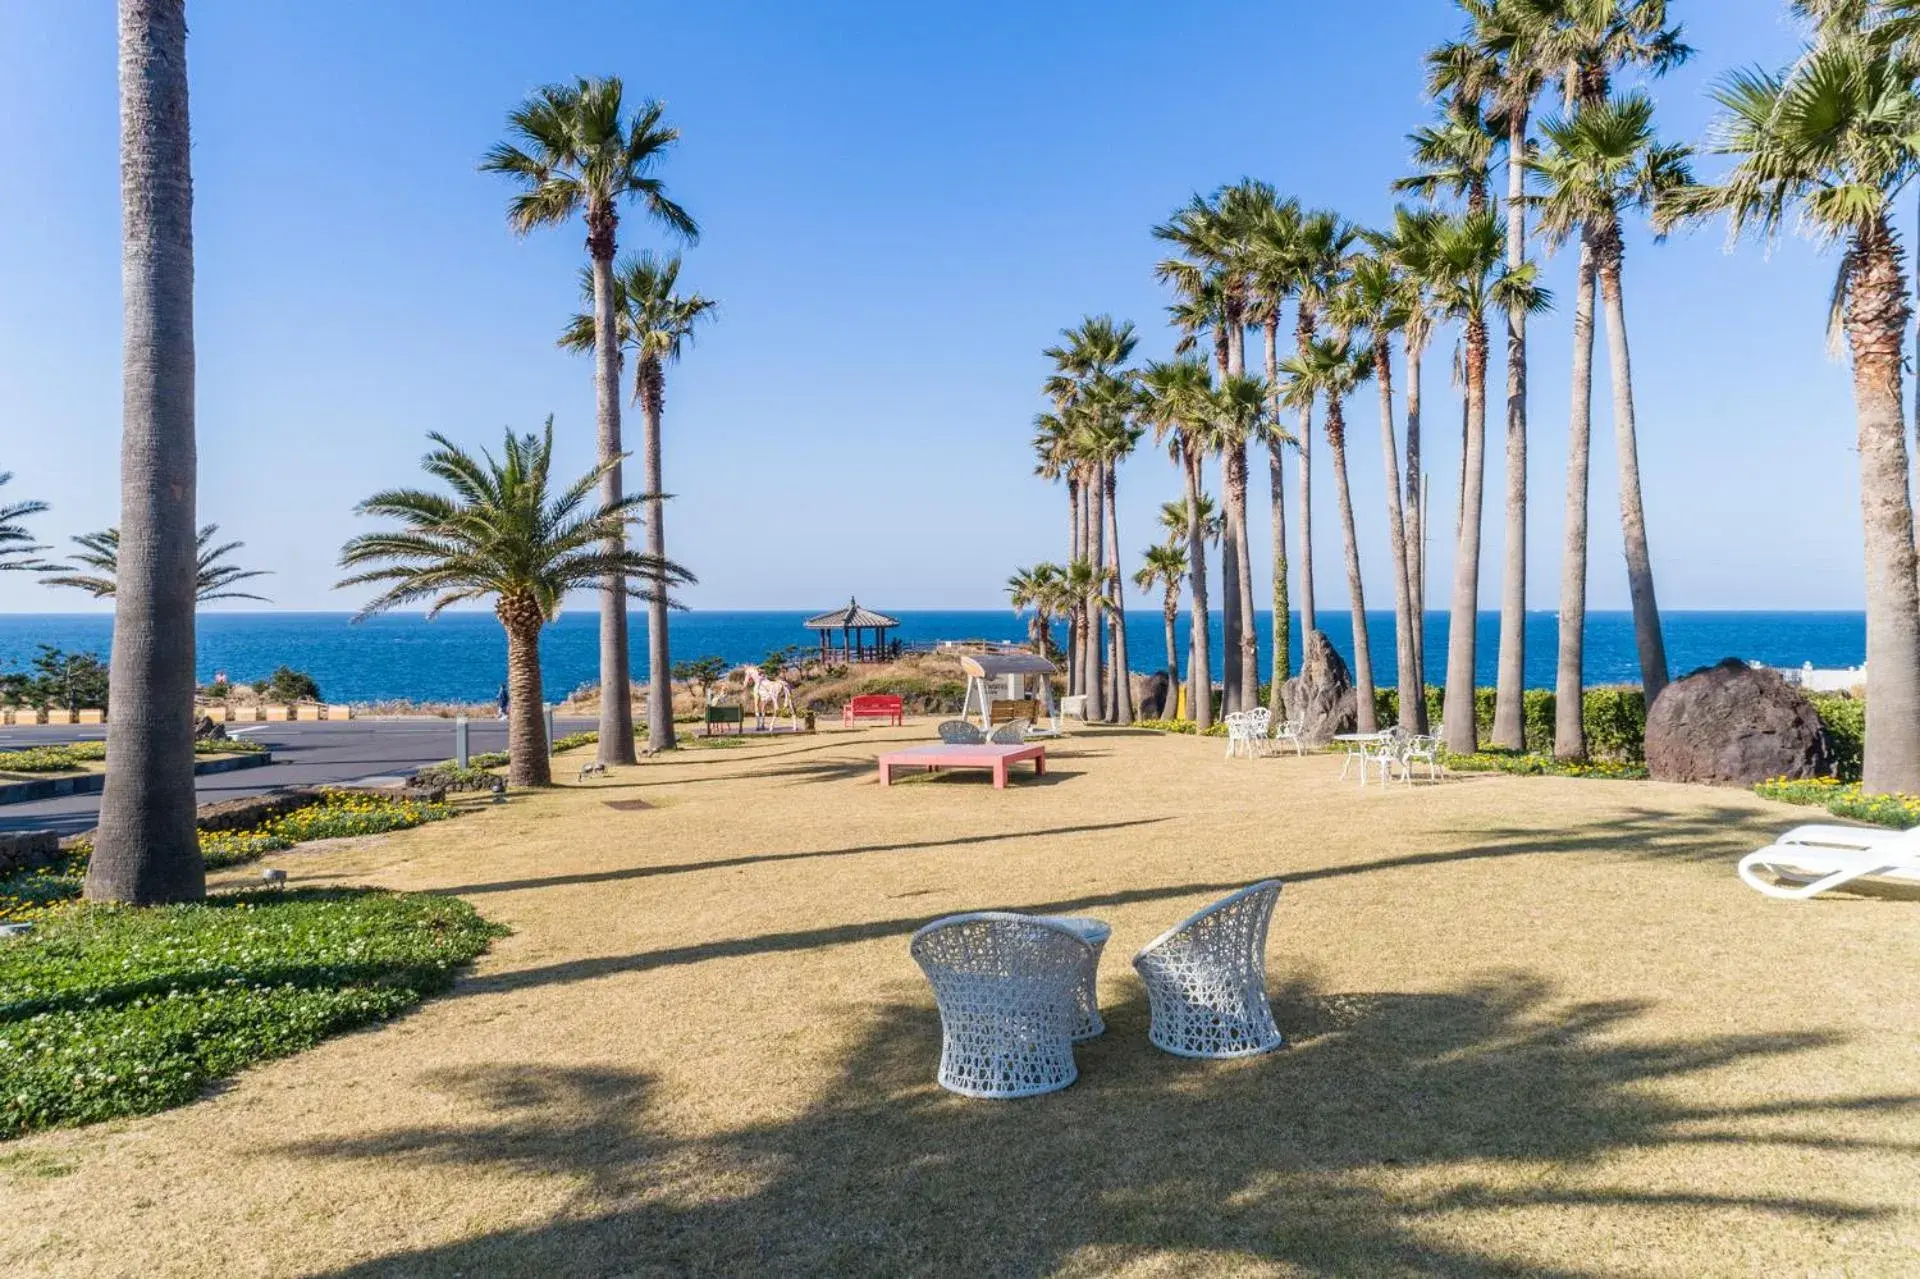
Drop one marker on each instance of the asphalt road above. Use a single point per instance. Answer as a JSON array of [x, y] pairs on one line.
[[360, 751]]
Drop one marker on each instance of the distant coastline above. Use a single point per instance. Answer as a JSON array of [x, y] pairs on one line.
[[461, 656]]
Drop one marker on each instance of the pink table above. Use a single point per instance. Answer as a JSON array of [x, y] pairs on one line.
[[934, 758]]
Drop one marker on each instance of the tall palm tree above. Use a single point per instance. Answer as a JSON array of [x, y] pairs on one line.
[[1408, 247], [1599, 162], [1829, 143], [1581, 43], [1274, 254], [1375, 299], [655, 323], [504, 534], [17, 546], [1468, 274], [1173, 519], [1053, 449], [1037, 591], [1176, 394], [1111, 436], [147, 849], [214, 577], [1499, 58], [1453, 157], [1329, 370], [574, 149], [1325, 241], [1164, 564]]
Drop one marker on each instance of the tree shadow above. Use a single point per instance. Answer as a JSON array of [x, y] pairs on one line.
[[1339, 1155]]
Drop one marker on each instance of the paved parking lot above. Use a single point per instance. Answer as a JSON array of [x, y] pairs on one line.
[[364, 751]]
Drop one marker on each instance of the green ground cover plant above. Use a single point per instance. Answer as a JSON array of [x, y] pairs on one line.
[[109, 1011], [26, 893], [68, 757], [1844, 799]]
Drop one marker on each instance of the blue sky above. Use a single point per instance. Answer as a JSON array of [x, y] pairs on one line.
[[902, 205]]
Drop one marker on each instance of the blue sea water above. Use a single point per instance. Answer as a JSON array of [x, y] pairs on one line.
[[462, 656]]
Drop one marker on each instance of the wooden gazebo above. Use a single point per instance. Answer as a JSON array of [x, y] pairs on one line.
[[865, 636]]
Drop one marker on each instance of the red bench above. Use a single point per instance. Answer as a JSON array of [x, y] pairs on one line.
[[873, 706]]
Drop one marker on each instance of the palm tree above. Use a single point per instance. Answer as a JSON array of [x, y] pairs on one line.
[[656, 324], [1176, 395], [1468, 275], [1598, 162], [16, 544], [574, 150], [1408, 247], [146, 849], [1110, 436], [503, 535], [1324, 243], [1037, 590], [1498, 59], [1376, 299], [213, 579], [1274, 251], [1582, 42], [1173, 519], [1330, 369], [1053, 449], [1829, 143], [1164, 564], [1239, 410], [1453, 156]]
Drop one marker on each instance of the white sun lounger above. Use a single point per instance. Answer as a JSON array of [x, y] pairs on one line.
[[1810, 860]]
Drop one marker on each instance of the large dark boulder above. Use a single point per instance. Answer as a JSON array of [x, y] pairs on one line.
[[1150, 696], [1734, 725], [1321, 695]]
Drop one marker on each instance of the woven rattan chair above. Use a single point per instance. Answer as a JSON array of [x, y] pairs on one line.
[[1011, 733], [1207, 979], [1086, 991], [957, 732], [1007, 986]]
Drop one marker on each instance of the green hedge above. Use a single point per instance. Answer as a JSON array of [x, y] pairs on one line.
[[1615, 718], [1845, 719]]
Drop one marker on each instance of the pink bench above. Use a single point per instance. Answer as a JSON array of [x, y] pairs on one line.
[[935, 758], [873, 706]]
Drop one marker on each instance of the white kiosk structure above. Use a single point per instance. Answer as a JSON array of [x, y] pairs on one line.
[[1010, 675]]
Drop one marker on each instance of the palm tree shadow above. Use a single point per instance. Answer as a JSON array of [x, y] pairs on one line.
[[1289, 1160]]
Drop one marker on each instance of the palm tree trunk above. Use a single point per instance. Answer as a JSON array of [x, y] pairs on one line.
[[1199, 643], [147, 850], [1569, 689], [1282, 663], [1415, 518], [1090, 681], [1633, 517], [1407, 674], [1462, 734], [616, 698], [659, 658], [1308, 622], [1362, 657], [1243, 646], [1510, 682], [528, 761], [1876, 329], [1073, 553], [1230, 557], [1122, 684], [1169, 615]]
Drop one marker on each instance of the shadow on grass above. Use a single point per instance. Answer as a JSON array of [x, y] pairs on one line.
[[752, 859], [1343, 1154]]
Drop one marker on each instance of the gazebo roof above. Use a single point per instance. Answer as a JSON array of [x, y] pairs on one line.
[[850, 617]]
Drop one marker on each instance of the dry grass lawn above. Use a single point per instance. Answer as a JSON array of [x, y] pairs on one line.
[[1536, 1027]]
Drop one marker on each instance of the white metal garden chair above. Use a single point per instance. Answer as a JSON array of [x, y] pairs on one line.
[[1246, 733], [1288, 731], [1421, 748], [1207, 979], [1008, 990]]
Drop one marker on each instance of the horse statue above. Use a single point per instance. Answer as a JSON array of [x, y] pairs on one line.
[[769, 695]]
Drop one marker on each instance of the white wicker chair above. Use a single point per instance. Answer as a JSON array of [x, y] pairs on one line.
[[1011, 733], [1086, 994], [1207, 979], [957, 732], [1007, 986]]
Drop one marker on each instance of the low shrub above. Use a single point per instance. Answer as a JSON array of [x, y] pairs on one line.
[[1217, 729], [1533, 764], [573, 741], [1615, 718], [67, 757], [450, 776], [109, 1011], [1844, 716], [1844, 799]]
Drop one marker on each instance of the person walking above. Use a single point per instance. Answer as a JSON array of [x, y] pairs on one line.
[[501, 701]]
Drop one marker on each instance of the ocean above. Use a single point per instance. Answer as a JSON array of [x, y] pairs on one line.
[[462, 656]]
